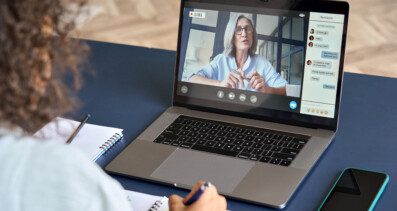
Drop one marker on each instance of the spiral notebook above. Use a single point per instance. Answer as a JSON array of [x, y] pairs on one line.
[[147, 202], [92, 140]]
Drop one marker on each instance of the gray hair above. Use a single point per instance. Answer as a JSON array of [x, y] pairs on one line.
[[228, 40]]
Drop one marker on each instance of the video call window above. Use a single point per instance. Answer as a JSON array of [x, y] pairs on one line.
[[280, 40]]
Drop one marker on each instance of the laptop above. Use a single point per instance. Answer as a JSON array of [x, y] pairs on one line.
[[256, 99]]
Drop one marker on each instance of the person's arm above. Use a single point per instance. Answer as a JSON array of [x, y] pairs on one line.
[[232, 81], [209, 200], [257, 82]]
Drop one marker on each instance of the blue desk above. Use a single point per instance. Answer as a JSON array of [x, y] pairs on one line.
[[133, 85]]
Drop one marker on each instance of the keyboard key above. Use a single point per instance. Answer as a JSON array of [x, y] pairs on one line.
[[266, 147], [255, 157], [265, 159], [221, 133], [276, 149], [290, 151], [244, 155], [186, 127], [192, 134], [287, 138], [186, 145], [210, 143], [204, 130], [269, 141], [176, 143], [214, 150], [239, 130], [191, 140], [249, 132], [258, 133], [229, 146], [237, 148], [184, 133], [201, 142], [219, 145], [268, 135], [257, 151], [259, 139], [247, 150], [240, 136], [219, 139], [285, 163], [210, 137], [183, 138], [299, 141], [238, 142], [249, 138], [230, 129], [166, 142], [298, 146], [229, 140], [284, 156], [278, 137], [257, 145], [231, 135], [201, 136], [212, 132], [275, 161], [248, 143], [267, 153]]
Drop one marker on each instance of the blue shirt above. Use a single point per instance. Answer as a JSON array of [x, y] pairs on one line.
[[222, 65]]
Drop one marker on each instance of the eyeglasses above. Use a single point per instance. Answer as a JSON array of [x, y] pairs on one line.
[[239, 29]]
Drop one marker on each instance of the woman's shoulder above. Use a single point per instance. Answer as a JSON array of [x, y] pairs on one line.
[[58, 171]]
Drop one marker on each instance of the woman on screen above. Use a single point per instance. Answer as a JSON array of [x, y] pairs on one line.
[[238, 66]]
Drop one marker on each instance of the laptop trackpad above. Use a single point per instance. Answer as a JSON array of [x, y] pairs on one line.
[[186, 167]]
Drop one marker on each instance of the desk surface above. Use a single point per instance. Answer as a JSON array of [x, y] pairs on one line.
[[133, 85]]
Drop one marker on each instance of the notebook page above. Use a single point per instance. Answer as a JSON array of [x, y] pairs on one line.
[[142, 201], [88, 140]]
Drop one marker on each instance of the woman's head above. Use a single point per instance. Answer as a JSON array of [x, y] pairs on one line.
[[32, 61], [241, 35]]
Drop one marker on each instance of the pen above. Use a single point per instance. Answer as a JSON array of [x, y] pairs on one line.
[[198, 193], [78, 129]]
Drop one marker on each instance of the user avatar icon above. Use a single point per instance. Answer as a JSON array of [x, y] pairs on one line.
[[184, 89], [293, 105], [253, 99], [220, 94], [309, 62], [232, 95]]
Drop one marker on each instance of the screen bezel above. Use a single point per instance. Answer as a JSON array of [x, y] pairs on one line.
[[272, 115]]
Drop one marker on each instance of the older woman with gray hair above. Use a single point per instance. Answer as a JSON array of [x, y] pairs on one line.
[[238, 66]]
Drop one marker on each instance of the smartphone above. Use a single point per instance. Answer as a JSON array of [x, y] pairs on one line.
[[355, 190]]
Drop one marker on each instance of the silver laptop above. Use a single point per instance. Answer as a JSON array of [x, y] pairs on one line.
[[256, 99]]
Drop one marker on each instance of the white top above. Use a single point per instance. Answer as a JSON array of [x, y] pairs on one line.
[[43, 175]]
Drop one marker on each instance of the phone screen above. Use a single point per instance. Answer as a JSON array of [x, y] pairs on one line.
[[355, 190]]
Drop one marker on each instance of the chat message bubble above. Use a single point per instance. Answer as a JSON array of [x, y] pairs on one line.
[[318, 38], [323, 46], [321, 32], [323, 73], [322, 64], [329, 55], [327, 86]]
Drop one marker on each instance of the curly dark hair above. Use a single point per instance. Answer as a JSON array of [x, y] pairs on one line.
[[36, 57]]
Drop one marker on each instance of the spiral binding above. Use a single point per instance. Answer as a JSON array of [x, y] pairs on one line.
[[156, 206], [109, 143]]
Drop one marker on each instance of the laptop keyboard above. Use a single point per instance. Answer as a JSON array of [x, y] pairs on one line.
[[233, 140]]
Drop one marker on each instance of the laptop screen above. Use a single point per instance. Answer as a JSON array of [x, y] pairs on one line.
[[255, 60]]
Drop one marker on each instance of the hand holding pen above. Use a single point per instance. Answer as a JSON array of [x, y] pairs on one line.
[[203, 196]]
